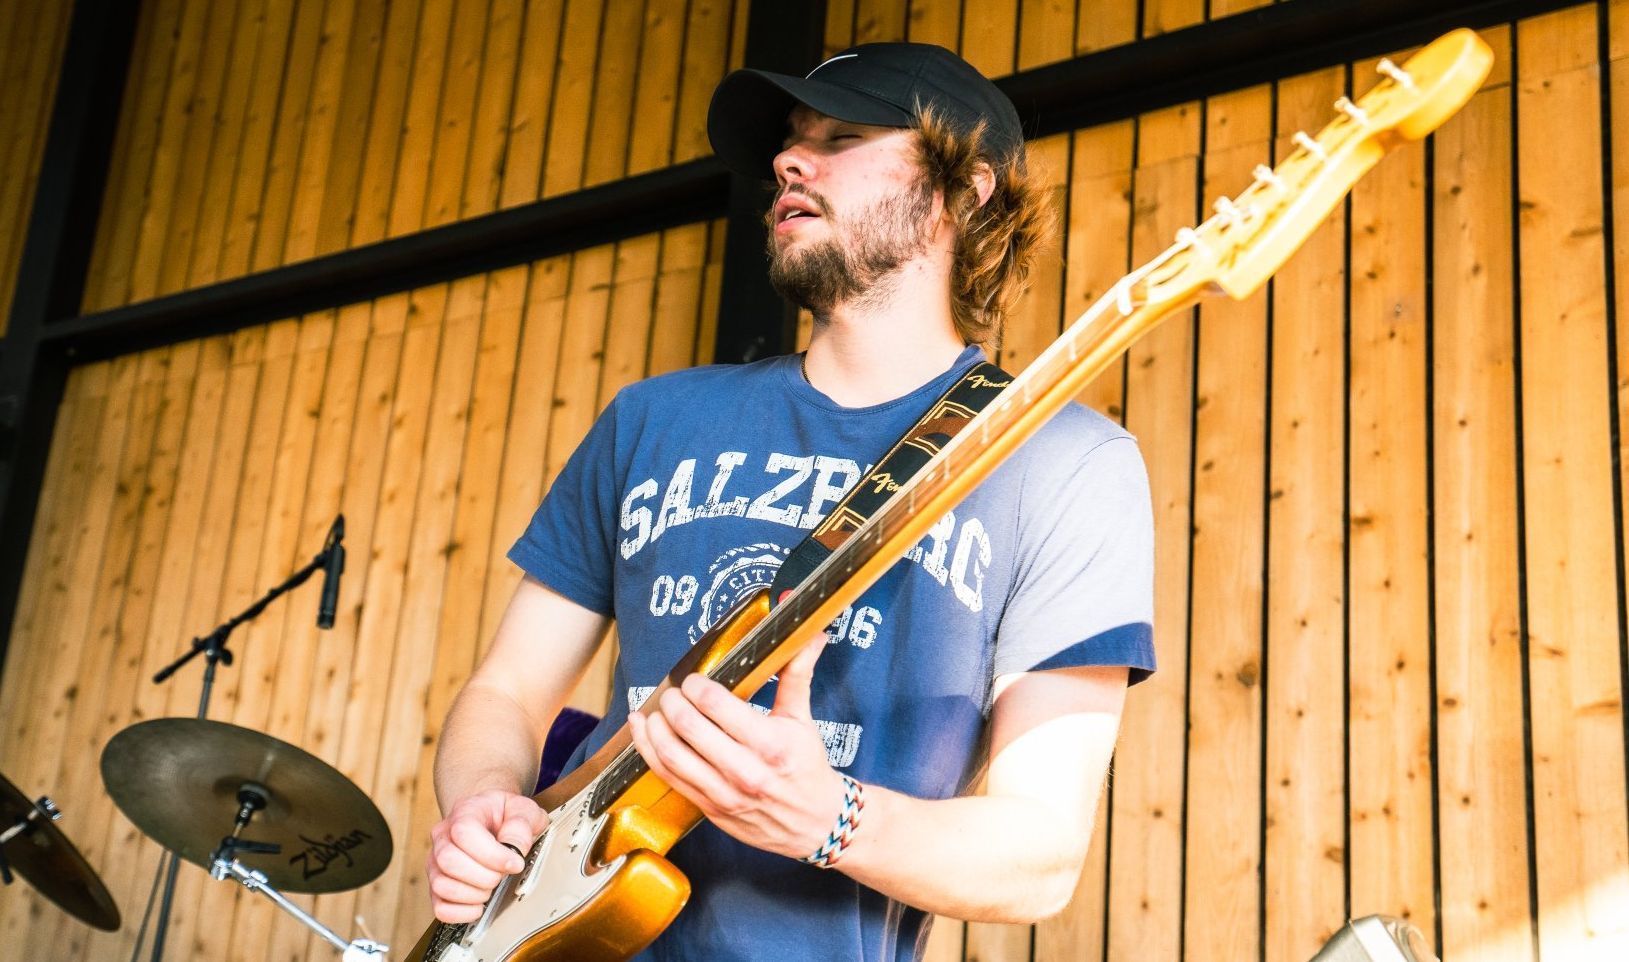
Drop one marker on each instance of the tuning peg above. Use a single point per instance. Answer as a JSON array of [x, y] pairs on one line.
[[1229, 211], [1309, 145], [1396, 73], [1352, 110], [1265, 175]]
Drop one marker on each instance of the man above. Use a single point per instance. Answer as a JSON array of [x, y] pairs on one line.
[[1003, 643]]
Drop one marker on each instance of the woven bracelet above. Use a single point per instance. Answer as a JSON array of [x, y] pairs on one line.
[[848, 822]]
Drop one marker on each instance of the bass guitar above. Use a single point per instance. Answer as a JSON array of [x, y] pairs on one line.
[[596, 887]]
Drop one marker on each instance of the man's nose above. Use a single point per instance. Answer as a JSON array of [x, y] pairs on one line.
[[793, 165]]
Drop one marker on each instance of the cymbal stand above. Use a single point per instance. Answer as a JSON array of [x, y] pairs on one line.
[[224, 865], [44, 807], [213, 647]]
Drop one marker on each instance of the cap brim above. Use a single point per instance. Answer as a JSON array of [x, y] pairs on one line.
[[747, 119]]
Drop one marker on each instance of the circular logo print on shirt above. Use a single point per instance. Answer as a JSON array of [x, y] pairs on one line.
[[736, 574]]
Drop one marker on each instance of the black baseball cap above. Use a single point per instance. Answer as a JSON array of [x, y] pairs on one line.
[[874, 83]]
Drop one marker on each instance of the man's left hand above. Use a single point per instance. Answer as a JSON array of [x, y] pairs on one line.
[[763, 779]]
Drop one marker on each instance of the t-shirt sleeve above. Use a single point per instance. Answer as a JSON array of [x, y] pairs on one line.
[[1084, 590], [569, 543]]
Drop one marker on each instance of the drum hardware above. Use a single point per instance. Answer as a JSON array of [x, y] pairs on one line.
[[331, 561], [313, 829], [224, 865], [32, 846]]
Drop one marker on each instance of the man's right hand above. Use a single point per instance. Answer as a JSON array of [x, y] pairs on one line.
[[469, 854]]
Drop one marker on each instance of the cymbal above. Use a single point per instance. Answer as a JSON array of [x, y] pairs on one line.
[[44, 856], [180, 781]]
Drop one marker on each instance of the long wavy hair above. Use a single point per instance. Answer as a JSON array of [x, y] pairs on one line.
[[996, 242]]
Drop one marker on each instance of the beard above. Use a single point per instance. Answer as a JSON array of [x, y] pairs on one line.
[[860, 254]]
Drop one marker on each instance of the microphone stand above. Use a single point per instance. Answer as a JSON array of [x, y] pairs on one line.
[[213, 647]]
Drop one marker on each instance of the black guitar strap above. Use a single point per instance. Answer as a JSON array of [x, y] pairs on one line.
[[943, 420]]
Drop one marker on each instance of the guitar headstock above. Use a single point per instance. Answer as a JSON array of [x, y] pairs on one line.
[[1251, 236]]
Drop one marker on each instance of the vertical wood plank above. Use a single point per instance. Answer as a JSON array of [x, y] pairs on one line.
[[408, 328], [460, 87], [573, 93], [616, 69], [106, 643], [675, 315], [151, 605], [25, 112], [125, 204], [935, 21], [170, 150], [1046, 30], [325, 397], [530, 118], [364, 68], [292, 379], [1581, 827], [489, 133], [1389, 718], [38, 688], [415, 644], [520, 484], [315, 167], [172, 258], [220, 548], [706, 50], [1037, 317], [1145, 894], [468, 552], [1306, 774], [577, 402], [991, 46], [1099, 234], [1105, 24], [289, 129], [1481, 754], [840, 16], [361, 656], [416, 149], [371, 220], [1164, 16], [655, 104], [122, 155], [246, 203], [877, 21], [1223, 842], [231, 120]]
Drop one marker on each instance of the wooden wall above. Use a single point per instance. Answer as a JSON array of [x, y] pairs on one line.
[[1388, 494], [32, 36], [256, 133], [189, 479], [1391, 569]]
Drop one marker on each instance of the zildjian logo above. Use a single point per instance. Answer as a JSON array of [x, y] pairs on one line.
[[318, 853]]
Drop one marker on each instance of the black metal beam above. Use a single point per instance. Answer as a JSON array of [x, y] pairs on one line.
[[637, 205], [1255, 47], [753, 320], [55, 259]]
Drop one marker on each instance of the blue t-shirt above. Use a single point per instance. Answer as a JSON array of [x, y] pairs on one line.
[[684, 498]]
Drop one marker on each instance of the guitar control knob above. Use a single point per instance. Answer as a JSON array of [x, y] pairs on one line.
[[48, 808]]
